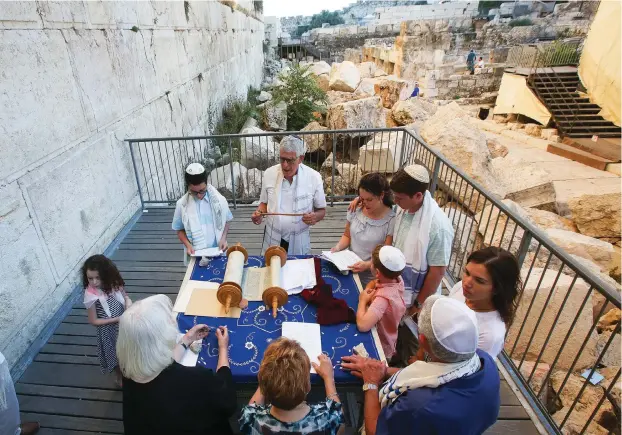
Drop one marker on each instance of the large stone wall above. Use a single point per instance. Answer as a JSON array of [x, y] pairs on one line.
[[77, 78]]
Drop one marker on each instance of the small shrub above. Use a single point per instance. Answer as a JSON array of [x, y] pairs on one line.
[[302, 95], [134, 29], [233, 117], [520, 22]]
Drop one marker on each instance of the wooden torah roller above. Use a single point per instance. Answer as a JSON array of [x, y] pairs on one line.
[[230, 291], [275, 296]]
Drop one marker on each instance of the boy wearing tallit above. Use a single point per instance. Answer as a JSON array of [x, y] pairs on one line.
[[290, 188], [202, 215], [423, 232]]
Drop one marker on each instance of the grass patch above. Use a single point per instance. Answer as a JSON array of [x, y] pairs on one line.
[[520, 22]]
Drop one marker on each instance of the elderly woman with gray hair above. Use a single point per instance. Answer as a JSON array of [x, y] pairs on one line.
[[161, 396], [293, 195], [455, 392]]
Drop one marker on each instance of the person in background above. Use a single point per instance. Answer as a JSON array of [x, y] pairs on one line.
[[202, 214], [415, 91], [105, 301], [457, 392], [480, 63], [278, 406], [370, 225], [291, 188], [383, 306], [161, 396], [10, 422], [490, 287], [471, 61]]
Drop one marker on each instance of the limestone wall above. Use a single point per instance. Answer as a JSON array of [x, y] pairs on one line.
[[76, 79]]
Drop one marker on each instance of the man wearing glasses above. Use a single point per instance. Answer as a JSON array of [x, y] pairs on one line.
[[202, 215], [290, 188]]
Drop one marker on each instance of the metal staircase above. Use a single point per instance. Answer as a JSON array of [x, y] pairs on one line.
[[574, 115]]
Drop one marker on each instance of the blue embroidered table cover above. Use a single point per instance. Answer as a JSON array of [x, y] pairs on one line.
[[252, 332]]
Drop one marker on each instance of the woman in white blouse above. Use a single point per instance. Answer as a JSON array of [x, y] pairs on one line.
[[490, 286]]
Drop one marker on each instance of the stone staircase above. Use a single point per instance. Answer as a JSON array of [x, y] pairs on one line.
[[574, 115]]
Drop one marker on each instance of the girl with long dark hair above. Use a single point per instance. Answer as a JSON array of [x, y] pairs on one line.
[[490, 286]]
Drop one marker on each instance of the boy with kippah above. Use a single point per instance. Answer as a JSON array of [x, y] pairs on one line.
[[382, 304]]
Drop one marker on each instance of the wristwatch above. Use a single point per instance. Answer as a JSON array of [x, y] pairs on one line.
[[369, 386], [417, 304]]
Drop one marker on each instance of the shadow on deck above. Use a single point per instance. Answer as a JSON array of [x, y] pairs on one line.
[[64, 389]]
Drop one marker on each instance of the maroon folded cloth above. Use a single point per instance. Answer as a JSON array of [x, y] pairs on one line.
[[330, 310]]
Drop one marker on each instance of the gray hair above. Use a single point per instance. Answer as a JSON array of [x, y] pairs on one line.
[[293, 144], [426, 328], [147, 338]]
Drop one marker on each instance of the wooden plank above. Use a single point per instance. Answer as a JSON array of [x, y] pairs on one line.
[[74, 423], [76, 319], [73, 329], [74, 407], [70, 349], [506, 427], [129, 277], [67, 359], [72, 339], [507, 395], [69, 392], [67, 375], [152, 286], [513, 412]]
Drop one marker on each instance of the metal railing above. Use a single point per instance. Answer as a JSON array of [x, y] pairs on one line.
[[555, 335], [546, 54]]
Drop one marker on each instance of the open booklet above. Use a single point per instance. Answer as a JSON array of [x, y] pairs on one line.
[[342, 259]]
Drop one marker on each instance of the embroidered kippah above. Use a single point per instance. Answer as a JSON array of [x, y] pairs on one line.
[[195, 169], [418, 172]]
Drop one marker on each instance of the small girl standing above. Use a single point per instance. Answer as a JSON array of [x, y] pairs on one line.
[[105, 299], [382, 304]]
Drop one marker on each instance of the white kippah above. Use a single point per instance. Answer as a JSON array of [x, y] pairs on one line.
[[392, 258], [454, 325], [418, 172], [195, 169]]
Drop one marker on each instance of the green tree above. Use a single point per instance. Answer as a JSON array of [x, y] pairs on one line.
[[302, 95], [332, 18], [484, 6]]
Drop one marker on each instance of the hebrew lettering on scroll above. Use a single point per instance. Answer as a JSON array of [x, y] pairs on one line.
[[254, 282]]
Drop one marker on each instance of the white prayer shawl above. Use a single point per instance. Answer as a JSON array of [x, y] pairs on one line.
[[425, 374], [190, 217], [416, 247], [92, 294], [299, 238]]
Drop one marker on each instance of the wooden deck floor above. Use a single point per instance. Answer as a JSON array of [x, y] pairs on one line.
[[63, 388]]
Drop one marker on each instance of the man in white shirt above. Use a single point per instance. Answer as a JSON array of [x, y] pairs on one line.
[[290, 188]]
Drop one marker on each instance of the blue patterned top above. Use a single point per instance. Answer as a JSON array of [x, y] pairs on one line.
[[324, 418]]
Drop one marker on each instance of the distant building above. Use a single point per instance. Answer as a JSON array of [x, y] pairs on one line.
[[272, 30]]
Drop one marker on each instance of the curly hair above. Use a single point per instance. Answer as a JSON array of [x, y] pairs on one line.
[[284, 374], [506, 281], [108, 273], [377, 184], [375, 258]]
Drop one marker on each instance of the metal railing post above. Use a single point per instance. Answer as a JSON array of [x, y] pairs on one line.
[[140, 190], [332, 183], [233, 190], [434, 181]]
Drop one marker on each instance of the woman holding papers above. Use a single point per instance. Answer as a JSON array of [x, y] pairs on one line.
[[202, 215], [370, 225]]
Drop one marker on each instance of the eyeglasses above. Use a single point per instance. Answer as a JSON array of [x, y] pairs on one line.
[[288, 161], [195, 193]]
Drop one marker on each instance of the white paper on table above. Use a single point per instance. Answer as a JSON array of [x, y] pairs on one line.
[[297, 275], [342, 259], [309, 337], [208, 252]]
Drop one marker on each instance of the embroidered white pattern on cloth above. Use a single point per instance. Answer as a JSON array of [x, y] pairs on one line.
[[190, 217], [425, 374]]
